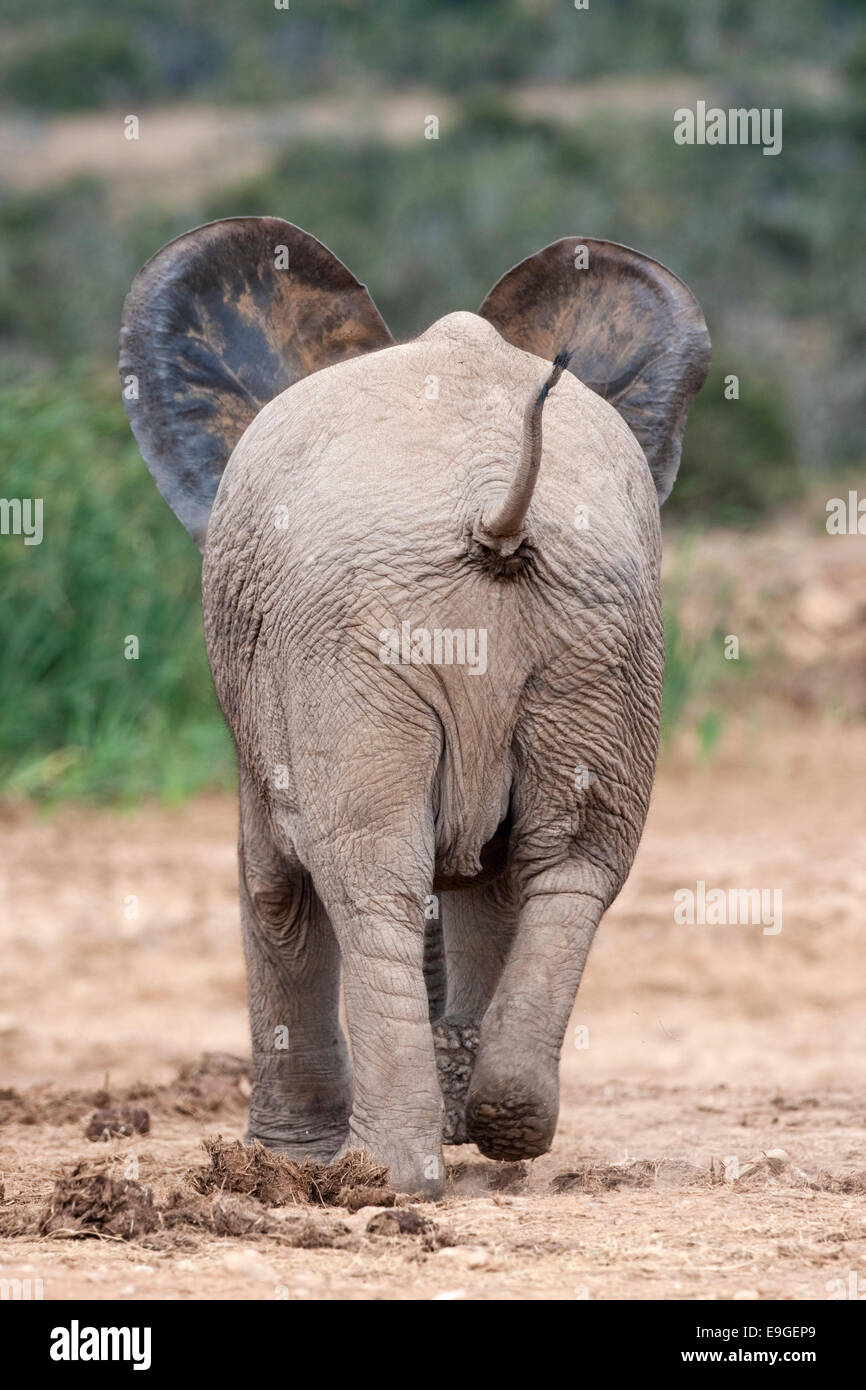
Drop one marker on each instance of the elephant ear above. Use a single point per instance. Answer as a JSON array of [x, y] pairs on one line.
[[635, 333], [217, 324]]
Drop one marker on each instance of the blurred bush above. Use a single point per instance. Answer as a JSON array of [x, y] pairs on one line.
[[739, 455], [217, 49], [76, 717], [97, 65]]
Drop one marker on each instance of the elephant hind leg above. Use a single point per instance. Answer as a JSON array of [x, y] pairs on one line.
[[302, 1076], [477, 926], [513, 1102], [455, 1039], [374, 884]]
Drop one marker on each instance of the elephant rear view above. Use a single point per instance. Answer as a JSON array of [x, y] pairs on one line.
[[432, 610]]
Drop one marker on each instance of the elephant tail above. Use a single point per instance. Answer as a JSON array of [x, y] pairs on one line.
[[501, 529]]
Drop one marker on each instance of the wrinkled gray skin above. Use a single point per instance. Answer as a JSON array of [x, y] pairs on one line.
[[347, 508]]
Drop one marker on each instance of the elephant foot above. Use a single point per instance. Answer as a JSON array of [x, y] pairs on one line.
[[455, 1042], [298, 1144], [509, 1119], [319, 1135], [414, 1166]]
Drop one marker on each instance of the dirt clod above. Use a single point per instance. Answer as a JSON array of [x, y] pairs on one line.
[[216, 1083], [88, 1201], [354, 1198], [401, 1221], [119, 1121]]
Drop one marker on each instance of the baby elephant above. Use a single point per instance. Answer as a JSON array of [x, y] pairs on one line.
[[436, 638]]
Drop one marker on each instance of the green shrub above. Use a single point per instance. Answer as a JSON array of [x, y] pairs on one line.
[[738, 463], [76, 717]]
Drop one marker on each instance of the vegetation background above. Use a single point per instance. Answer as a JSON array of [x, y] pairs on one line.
[[554, 121]]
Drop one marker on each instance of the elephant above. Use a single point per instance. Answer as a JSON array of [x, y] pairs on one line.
[[431, 595]]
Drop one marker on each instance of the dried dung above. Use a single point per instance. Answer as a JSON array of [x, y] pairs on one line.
[[87, 1201], [121, 1121], [277, 1180]]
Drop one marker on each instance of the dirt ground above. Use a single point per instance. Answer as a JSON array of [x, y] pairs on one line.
[[708, 1047]]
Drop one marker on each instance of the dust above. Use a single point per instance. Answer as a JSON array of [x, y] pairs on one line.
[[589, 1176]]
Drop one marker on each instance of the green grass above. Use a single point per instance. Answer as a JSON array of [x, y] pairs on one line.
[[698, 681], [76, 718]]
